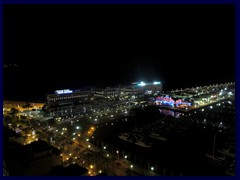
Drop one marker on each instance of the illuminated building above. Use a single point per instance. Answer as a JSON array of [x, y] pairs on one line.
[[106, 93], [64, 97], [150, 86], [168, 101], [67, 96], [67, 101]]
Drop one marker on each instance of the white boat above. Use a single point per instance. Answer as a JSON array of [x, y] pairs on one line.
[[158, 136], [143, 144], [125, 137]]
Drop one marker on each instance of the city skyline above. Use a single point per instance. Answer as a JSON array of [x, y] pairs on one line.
[[110, 45], [119, 90]]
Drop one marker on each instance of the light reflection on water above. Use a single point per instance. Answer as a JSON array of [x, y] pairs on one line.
[[167, 112]]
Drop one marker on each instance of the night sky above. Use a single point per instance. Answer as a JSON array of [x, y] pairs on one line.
[[74, 46]]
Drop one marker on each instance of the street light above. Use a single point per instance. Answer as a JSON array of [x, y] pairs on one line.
[[152, 168]]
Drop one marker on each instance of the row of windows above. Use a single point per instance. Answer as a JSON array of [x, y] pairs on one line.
[[67, 97], [96, 93], [106, 93]]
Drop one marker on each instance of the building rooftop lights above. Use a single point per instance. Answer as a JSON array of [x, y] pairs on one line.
[[141, 84], [156, 83]]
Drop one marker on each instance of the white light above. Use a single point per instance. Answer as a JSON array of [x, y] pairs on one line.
[[125, 157], [156, 83], [131, 166], [65, 91], [59, 91], [141, 84], [77, 127], [152, 168]]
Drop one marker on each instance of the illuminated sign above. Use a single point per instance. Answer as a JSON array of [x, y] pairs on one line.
[[65, 91]]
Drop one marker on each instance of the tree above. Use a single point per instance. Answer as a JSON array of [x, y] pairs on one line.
[[45, 109], [6, 120], [27, 105], [14, 112]]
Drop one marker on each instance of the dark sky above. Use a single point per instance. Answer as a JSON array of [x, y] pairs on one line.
[[71, 46]]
